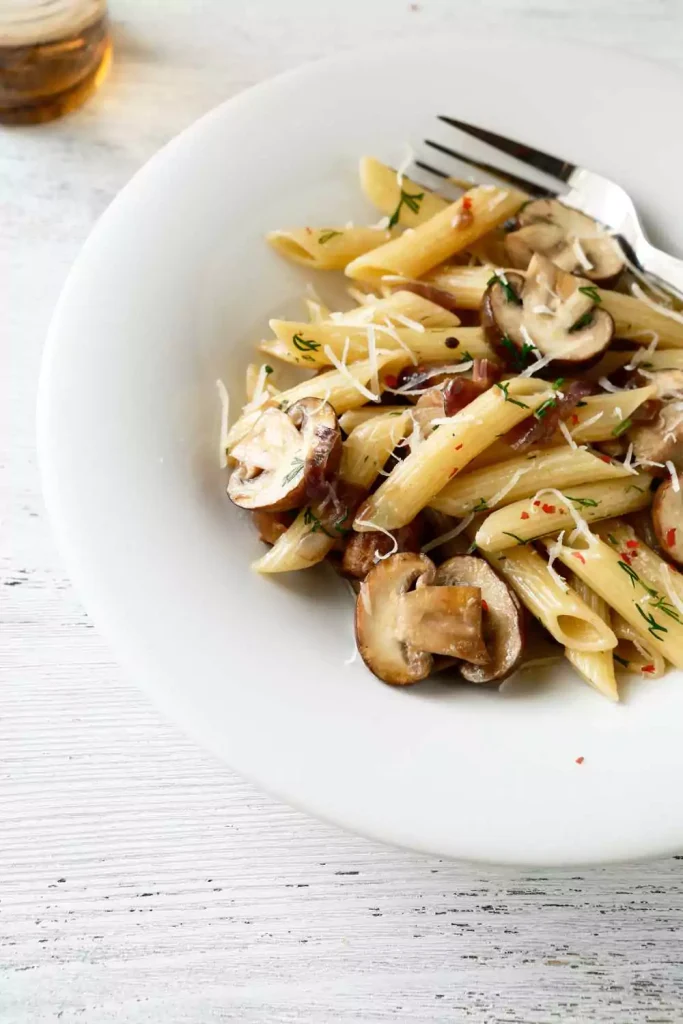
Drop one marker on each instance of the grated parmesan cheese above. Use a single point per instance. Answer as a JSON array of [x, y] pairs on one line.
[[608, 386], [407, 322], [372, 357], [641, 354], [564, 430], [674, 476], [393, 333], [578, 251], [345, 372], [554, 550], [667, 578], [225, 412], [591, 421], [657, 306], [380, 529], [543, 310], [506, 488], [450, 535], [581, 524], [617, 413]]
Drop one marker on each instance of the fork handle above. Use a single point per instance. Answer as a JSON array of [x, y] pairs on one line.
[[661, 265]]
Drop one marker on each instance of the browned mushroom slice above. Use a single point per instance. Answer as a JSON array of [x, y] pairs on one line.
[[572, 240], [561, 318], [503, 617], [501, 317], [402, 620], [662, 440], [363, 550], [287, 457], [271, 525], [667, 518]]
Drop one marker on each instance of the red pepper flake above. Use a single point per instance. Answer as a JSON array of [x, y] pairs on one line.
[[458, 447], [648, 668], [390, 381], [548, 509], [524, 515], [484, 605], [626, 557], [575, 418], [604, 458], [577, 554], [580, 760], [537, 503], [632, 544], [467, 202], [671, 537]]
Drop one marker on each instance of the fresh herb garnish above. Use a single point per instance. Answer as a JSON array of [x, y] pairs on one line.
[[471, 549], [410, 199], [558, 383], [268, 369], [663, 605], [612, 539], [327, 235], [582, 322], [297, 468], [621, 427], [583, 502], [504, 387], [631, 573], [481, 506], [466, 357], [545, 407], [514, 537], [634, 487], [305, 344], [510, 293], [591, 291], [653, 626], [622, 661], [520, 356]]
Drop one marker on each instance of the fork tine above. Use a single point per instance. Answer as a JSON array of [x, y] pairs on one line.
[[527, 154], [512, 179]]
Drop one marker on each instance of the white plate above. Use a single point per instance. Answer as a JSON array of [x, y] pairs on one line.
[[171, 291]]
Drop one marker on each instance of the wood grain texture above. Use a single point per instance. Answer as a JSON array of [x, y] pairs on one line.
[[141, 881]]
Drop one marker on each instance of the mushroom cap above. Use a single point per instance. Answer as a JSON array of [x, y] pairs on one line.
[[667, 519], [549, 227], [286, 457], [376, 613], [362, 549], [556, 312], [503, 617]]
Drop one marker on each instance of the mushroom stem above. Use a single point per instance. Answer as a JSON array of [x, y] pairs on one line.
[[443, 620]]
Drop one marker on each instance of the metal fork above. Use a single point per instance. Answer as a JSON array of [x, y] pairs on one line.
[[577, 187]]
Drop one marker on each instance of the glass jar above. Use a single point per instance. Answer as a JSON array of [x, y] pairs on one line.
[[53, 54]]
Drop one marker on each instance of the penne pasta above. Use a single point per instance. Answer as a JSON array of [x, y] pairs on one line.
[[634, 653], [316, 310], [563, 613], [488, 488], [348, 421], [667, 359], [402, 305], [305, 345], [545, 514], [432, 463], [327, 248], [343, 390], [417, 251], [603, 416], [306, 542], [595, 667], [657, 573], [381, 186], [622, 587]]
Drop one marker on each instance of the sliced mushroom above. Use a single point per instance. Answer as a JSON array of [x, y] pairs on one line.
[[271, 525], [502, 616], [286, 457], [363, 550], [402, 620], [553, 311], [573, 241], [667, 519]]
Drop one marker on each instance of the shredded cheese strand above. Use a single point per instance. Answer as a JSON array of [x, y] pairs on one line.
[[581, 524], [380, 529], [564, 430], [674, 476], [641, 354], [345, 372], [225, 412], [553, 551], [450, 535], [666, 573]]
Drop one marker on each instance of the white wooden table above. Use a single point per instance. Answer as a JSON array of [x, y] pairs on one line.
[[141, 881]]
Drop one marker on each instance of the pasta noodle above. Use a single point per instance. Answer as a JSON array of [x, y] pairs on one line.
[[327, 248], [560, 467], [416, 480], [595, 667], [443, 235], [541, 515], [381, 186]]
